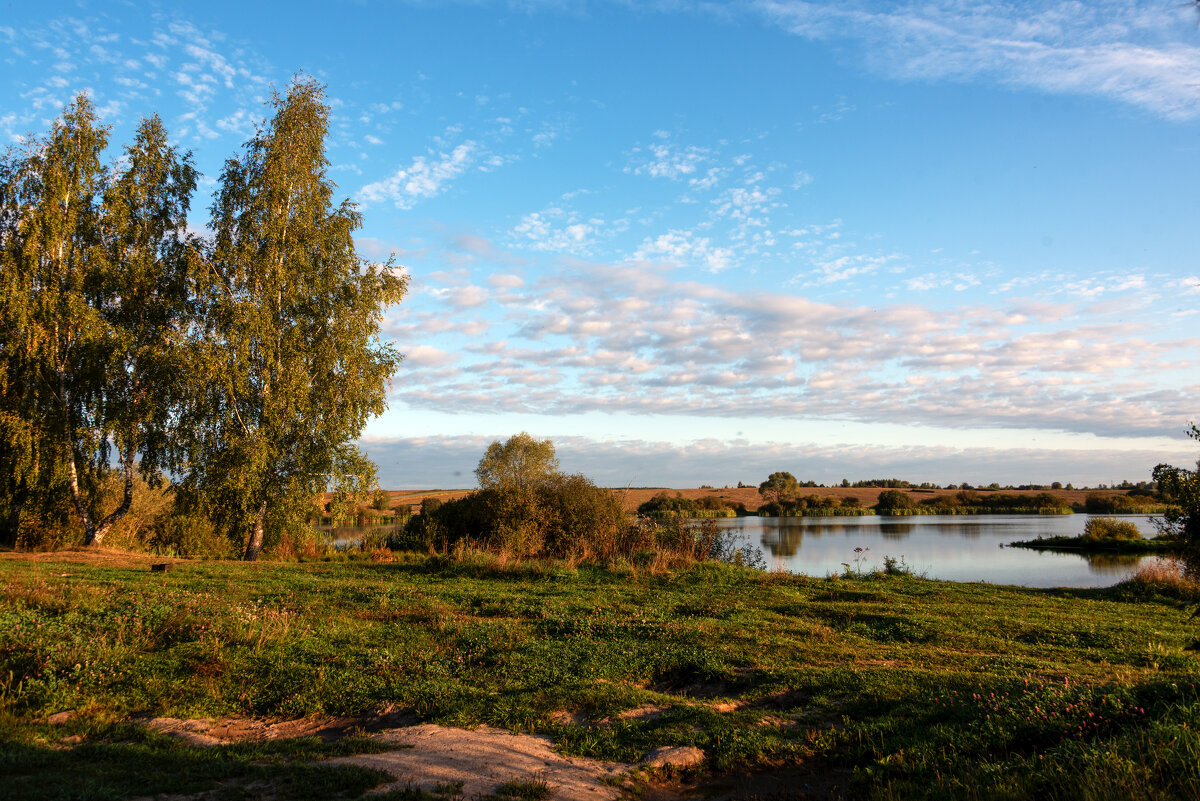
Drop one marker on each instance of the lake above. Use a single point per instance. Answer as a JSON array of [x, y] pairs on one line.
[[949, 547]]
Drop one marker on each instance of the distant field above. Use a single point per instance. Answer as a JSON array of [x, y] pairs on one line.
[[632, 498]]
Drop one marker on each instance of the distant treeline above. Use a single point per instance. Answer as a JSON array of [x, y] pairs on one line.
[[894, 502], [898, 502]]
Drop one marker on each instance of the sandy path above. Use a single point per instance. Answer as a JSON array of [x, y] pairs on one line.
[[483, 759]]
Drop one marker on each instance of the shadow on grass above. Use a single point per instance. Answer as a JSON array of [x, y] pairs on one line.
[[129, 761]]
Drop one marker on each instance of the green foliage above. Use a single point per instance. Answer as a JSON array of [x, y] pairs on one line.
[[380, 499], [813, 505], [1099, 529], [288, 366], [520, 462], [52, 334], [894, 501], [246, 368], [560, 515], [523, 790], [664, 504], [779, 488], [1181, 487], [893, 483], [1125, 504], [95, 305], [189, 536]]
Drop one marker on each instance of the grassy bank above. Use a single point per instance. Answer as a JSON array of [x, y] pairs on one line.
[[1082, 544], [880, 686]]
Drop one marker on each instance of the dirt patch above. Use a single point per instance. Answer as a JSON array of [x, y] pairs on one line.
[[726, 706], [427, 755], [485, 758]]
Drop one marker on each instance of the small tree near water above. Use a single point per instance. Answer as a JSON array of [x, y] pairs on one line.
[[1181, 487], [779, 488]]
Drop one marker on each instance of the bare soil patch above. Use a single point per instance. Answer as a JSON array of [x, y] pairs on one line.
[[428, 756], [485, 758]]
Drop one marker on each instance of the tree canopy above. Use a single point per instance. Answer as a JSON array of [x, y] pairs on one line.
[[1181, 487], [779, 488], [93, 292], [290, 366], [245, 366], [518, 463]]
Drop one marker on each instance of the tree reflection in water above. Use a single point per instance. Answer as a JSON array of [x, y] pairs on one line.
[[891, 530], [1112, 562]]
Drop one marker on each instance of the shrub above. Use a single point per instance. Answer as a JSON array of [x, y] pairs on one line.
[[580, 517], [1107, 528], [559, 515], [894, 500], [189, 535], [665, 504]]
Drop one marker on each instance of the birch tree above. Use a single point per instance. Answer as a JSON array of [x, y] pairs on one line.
[[94, 286], [144, 301], [289, 365], [53, 333]]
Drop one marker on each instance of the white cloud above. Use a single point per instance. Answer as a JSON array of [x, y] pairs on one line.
[[427, 356], [556, 230], [426, 177], [628, 339], [1109, 49], [683, 248], [666, 160]]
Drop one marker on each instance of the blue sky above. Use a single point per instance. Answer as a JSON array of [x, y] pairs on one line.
[[701, 242]]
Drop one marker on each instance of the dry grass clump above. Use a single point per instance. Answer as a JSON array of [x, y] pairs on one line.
[[1163, 577]]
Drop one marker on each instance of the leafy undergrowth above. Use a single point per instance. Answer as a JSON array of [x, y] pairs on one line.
[[906, 688]]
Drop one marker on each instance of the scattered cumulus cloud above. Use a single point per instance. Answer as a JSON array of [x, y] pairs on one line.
[[664, 159], [427, 176], [631, 339]]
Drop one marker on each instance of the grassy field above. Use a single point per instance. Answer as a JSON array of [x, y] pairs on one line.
[[873, 686]]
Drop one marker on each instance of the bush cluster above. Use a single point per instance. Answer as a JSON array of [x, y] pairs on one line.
[[558, 515], [1099, 529], [665, 504], [812, 505]]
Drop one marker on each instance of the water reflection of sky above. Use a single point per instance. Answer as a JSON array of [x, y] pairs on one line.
[[954, 548]]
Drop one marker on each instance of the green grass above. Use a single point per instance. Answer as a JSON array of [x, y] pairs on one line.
[[1085, 544], [913, 688]]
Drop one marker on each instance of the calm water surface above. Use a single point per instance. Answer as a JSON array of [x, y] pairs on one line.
[[950, 547]]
